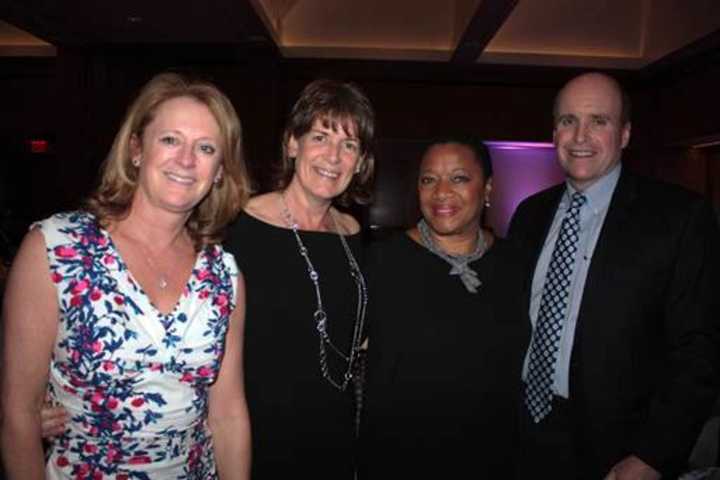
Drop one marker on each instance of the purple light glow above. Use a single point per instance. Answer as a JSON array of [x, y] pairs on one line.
[[518, 145], [520, 169]]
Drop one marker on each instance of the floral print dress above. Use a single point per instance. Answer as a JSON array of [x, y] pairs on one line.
[[134, 381]]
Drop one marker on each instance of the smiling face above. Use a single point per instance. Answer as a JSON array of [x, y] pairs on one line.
[[589, 132], [179, 155], [326, 158], [452, 189]]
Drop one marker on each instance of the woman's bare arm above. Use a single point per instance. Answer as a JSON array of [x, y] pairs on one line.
[[30, 316], [228, 416]]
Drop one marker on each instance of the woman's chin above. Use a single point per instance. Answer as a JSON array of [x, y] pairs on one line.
[[448, 227]]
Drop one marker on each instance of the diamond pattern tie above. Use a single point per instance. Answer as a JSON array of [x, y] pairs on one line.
[[551, 315]]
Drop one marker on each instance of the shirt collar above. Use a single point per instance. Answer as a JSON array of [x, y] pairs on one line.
[[599, 193]]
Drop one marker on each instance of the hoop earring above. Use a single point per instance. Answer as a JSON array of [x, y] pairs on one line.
[[135, 162]]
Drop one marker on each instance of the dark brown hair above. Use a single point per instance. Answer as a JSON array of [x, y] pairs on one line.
[[338, 105]]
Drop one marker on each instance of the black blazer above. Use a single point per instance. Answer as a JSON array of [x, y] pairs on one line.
[[644, 366]]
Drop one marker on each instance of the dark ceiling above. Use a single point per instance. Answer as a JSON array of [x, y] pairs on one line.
[[640, 36]]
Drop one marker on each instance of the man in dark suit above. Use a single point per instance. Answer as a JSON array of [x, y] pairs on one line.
[[621, 290]]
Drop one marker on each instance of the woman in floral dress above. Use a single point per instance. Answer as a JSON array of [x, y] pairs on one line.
[[129, 313]]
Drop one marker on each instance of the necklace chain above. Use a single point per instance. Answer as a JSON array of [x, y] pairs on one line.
[[162, 281], [162, 278], [320, 316]]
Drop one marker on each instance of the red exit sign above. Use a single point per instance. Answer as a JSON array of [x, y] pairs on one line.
[[38, 145]]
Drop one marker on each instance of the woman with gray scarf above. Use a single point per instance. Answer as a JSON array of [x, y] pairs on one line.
[[446, 343]]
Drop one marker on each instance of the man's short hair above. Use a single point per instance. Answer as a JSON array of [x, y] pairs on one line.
[[625, 107]]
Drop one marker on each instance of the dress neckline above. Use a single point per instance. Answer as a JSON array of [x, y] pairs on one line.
[[289, 230], [140, 289]]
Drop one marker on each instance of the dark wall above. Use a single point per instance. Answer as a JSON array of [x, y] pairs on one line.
[[77, 101], [674, 112], [28, 94], [688, 106]]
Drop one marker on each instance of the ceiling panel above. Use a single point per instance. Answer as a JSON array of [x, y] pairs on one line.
[[398, 29], [16, 42], [90, 22], [569, 27], [676, 23], [627, 34]]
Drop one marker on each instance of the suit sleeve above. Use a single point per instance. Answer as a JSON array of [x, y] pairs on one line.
[[515, 233], [689, 388]]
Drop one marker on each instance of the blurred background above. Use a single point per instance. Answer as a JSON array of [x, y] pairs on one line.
[[68, 70]]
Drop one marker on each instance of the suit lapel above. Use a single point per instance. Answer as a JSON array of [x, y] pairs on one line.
[[595, 295], [543, 220], [609, 241]]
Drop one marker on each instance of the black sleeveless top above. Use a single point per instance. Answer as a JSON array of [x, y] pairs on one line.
[[301, 424]]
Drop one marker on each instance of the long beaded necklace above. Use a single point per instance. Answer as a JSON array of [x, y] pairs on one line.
[[320, 316]]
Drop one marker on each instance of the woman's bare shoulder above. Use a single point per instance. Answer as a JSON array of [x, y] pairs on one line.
[[266, 207], [348, 224]]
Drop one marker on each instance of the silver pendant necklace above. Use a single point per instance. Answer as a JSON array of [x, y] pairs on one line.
[[320, 316], [162, 278]]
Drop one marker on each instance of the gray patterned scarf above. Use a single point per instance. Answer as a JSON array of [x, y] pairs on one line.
[[459, 262]]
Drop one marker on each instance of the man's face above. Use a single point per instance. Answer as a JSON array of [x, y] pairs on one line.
[[589, 134]]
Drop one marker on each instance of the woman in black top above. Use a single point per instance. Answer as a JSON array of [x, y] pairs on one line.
[[306, 295], [445, 348]]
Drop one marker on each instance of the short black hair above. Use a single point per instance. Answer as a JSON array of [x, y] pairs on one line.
[[478, 147]]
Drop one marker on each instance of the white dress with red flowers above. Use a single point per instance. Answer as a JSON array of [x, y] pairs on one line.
[[134, 381]]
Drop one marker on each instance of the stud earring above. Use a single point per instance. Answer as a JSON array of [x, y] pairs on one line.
[[136, 162], [217, 179], [486, 203]]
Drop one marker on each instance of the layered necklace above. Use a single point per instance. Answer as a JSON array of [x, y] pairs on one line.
[[320, 316]]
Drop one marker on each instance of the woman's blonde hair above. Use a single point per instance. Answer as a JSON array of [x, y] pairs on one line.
[[119, 177]]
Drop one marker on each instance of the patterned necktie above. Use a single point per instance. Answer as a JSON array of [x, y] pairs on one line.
[[551, 315]]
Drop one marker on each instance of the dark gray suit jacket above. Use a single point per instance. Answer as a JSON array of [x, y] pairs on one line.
[[644, 371]]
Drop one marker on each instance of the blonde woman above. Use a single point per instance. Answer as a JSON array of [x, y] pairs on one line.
[[130, 314]]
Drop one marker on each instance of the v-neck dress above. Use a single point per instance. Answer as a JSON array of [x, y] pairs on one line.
[[134, 381]]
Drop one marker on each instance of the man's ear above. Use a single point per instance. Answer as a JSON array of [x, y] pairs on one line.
[[625, 134]]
